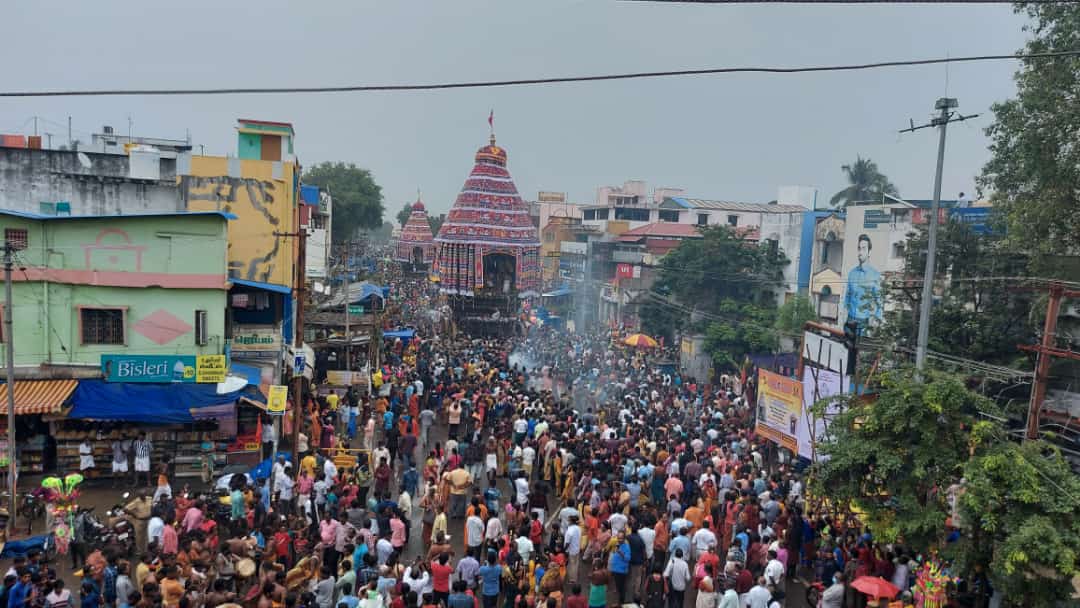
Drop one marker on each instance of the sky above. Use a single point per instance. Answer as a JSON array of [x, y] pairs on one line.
[[729, 137]]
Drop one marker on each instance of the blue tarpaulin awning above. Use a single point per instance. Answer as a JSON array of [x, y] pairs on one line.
[[562, 291], [259, 285], [404, 334], [147, 403]]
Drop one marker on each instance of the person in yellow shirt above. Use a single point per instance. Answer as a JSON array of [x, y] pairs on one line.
[[332, 400], [307, 464]]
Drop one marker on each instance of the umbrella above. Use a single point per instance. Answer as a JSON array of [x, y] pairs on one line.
[[640, 341], [875, 586]]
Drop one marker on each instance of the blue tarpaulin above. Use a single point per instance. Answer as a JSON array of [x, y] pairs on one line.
[[309, 194], [146, 403], [404, 334]]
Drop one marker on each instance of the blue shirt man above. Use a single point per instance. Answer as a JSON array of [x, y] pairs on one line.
[[862, 300], [489, 576], [18, 593], [620, 558]]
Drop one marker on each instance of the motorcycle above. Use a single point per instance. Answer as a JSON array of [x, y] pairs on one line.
[[31, 507], [119, 532], [814, 592]]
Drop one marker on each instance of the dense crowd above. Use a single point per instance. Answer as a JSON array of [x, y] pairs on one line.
[[557, 470]]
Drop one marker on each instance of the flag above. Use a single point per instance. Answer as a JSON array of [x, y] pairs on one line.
[[491, 119]]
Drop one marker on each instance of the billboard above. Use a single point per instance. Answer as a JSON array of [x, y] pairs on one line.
[[817, 384], [824, 352], [779, 408], [163, 369]]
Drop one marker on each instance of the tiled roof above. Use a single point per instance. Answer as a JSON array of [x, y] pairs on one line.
[[661, 230]]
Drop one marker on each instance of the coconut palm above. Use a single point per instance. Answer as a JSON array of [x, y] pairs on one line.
[[865, 183]]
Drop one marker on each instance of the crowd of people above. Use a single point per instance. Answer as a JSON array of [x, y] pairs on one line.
[[553, 470]]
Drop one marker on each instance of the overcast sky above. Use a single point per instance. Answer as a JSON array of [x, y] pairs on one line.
[[725, 137]]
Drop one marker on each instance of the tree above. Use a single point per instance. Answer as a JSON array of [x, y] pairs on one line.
[[793, 315], [436, 222], [977, 315], [1020, 509], [723, 286], [403, 214], [891, 458], [865, 183], [358, 202], [1034, 165]]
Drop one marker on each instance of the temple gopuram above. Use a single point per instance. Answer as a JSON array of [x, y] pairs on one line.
[[488, 251], [415, 248]]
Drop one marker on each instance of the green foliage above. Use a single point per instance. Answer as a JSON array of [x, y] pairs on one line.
[[976, 316], [865, 183], [436, 222], [728, 342], [1034, 167], [403, 214], [358, 202], [1020, 510], [793, 314], [731, 283], [891, 457]]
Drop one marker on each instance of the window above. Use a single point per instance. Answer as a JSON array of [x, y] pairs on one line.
[[898, 250], [589, 214], [702, 219], [669, 215], [601, 214], [202, 332], [733, 220], [102, 325], [631, 214], [17, 238], [549, 236]]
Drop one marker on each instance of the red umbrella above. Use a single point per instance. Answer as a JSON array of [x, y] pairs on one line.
[[875, 586]]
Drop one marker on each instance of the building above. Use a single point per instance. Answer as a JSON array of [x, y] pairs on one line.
[[825, 285], [559, 229], [704, 212], [488, 250], [152, 284], [415, 248], [260, 186], [316, 217], [66, 182], [621, 208], [551, 204]]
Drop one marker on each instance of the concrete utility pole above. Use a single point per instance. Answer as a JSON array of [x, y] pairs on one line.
[[348, 333], [298, 337], [9, 339], [945, 104]]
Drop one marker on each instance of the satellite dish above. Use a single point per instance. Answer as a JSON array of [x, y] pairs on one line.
[[84, 160]]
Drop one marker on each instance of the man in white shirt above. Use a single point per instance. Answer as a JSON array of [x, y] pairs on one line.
[[618, 523], [648, 536], [572, 540], [678, 574], [521, 487], [759, 596], [703, 540], [524, 548], [528, 457], [474, 526], [774, 573], [330, 469]]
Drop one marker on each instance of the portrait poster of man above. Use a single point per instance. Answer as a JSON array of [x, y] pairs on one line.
[[862, 298]]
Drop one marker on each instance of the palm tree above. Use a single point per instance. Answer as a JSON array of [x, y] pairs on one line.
[[865, 183]]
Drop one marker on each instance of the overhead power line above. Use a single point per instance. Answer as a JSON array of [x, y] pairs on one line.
[[535, 81]]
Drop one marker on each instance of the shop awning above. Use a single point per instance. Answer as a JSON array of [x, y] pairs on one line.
[[148, 403], [37, 396]]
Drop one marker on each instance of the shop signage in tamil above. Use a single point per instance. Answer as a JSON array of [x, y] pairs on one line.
[[275, 401], [256, 342], [210, 369]]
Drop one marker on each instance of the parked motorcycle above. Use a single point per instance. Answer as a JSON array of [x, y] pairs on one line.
[[119, 532]]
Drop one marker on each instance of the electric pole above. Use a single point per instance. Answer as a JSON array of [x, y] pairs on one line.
[[945, 105], [298, 336], [348, 313], [9, 339], [1045, 351]]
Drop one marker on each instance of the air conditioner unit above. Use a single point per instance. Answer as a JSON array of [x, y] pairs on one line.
[[201, 331]]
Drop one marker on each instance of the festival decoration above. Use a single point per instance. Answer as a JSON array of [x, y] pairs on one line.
[[416, 233], [488, 217], [62, 496], [931, 585]]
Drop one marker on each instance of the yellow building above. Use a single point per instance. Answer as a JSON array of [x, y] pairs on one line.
[[260, 186]]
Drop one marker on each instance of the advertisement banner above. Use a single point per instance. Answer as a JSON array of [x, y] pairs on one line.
[[343, 378], [210, 369], [624, 271], [148, 368], [818, 384], [275, 401], [779, 408]]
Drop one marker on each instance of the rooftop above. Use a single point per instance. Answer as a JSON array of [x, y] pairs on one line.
[[38, 216], [701, 203], [661, 230]]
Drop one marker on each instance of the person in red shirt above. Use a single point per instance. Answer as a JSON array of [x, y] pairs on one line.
[[575, 599], [441, 570], [281, 546]]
